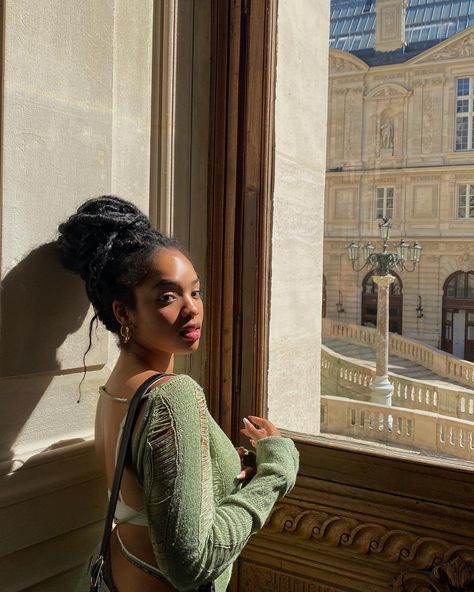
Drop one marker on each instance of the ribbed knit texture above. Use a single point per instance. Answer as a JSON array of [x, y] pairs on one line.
[[200, 516]]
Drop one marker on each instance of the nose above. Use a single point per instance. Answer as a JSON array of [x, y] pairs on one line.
[[189, 308]]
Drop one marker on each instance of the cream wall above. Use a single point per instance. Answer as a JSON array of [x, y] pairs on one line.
[[296, 267], [418, 100], [76, 123]]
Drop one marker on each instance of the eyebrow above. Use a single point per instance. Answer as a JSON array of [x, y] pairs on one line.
[[165, 282]]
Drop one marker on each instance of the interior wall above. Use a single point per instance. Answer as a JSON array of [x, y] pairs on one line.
[[298, 214], [76, 108]]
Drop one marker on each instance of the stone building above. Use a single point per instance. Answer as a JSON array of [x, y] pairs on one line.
[[400, 145]]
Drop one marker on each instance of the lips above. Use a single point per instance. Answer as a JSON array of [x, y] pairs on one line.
[[191, 332]]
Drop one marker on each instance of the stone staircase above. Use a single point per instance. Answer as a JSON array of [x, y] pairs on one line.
[[433, 399], [396, 364]]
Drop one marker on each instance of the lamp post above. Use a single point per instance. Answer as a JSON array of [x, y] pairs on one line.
[[406, 258]]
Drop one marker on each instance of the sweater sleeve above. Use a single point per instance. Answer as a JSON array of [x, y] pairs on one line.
[[195, 539]]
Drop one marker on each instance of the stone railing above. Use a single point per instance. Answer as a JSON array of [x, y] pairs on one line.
[[418, 430], [343, 377], [437, 361]]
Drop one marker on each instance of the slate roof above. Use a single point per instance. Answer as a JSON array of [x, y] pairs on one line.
[[428, 22]]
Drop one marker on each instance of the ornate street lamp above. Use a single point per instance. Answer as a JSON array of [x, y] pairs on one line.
[[406, 258]]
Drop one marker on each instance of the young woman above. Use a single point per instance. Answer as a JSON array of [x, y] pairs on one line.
[[186, 506]]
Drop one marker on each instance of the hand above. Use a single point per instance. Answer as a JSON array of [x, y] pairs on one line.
[[265, 428], [249, 468]]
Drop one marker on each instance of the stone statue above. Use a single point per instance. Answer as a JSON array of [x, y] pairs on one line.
[[386, 134]]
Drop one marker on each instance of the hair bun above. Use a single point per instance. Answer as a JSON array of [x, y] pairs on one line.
[[88, 235]]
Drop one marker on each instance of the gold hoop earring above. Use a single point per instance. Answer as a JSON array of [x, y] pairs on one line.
[[125, 333]]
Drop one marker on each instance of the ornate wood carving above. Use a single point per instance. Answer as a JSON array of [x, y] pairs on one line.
[[369, 538], [453, 573], [262, 579]]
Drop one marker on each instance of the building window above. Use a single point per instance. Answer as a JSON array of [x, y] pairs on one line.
[[384, 204], [465, 201], [464, 114]]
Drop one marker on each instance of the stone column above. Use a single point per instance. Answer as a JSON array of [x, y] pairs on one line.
[[382, 389]]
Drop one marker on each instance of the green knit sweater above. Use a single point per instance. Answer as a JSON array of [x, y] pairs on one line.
[[200, 516]]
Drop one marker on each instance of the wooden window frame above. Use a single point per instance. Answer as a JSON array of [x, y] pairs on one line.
[[239, 251], [241, 185]]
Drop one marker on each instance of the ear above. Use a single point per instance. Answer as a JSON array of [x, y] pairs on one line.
[[122, 313]]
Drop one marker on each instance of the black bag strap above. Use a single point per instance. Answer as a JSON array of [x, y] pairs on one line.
[[120, 464]]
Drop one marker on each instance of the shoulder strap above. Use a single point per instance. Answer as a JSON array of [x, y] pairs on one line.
[[119, 467]]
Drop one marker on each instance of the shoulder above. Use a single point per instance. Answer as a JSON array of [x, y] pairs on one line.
[[176, 405], [174, 384], [178, 394]]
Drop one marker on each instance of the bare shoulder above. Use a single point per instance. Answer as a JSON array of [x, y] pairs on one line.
[[127, 386]]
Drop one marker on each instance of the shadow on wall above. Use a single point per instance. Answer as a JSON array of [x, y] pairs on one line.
[[40, 305]]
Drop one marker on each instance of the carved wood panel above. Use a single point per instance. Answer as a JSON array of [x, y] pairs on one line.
[[453, 573], [255, 578]]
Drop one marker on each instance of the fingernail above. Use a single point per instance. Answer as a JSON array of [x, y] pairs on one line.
[[245, 420]]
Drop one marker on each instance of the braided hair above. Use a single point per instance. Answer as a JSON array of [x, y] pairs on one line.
[[109, 242]]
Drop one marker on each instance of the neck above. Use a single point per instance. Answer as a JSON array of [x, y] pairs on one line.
[[150, 360]]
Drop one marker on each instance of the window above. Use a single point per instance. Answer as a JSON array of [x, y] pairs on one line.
[[465, 201], [384, 203], [464, 114]]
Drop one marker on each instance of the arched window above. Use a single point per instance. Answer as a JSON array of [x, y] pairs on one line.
[[457, 332], [369, 303]]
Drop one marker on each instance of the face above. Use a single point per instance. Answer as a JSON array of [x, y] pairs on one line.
[[168, 311]]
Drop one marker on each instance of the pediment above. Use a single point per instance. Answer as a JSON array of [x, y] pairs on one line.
[[457, 47], [342, 62], [390, 90]]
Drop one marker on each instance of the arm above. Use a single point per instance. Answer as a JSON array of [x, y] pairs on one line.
[[194, 539]]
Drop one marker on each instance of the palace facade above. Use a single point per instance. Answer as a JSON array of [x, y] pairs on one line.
[[400, 145]]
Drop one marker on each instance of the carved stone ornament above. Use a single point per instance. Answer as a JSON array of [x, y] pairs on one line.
[[454, 573], [453, 48], [465, 261], [464, 48], [384, 91], [367, 538], [341, 62]]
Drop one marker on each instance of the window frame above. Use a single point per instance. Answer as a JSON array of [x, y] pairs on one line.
[[468, 195], [385, 197], [469, 97]]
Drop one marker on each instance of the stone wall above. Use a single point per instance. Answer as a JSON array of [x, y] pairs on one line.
[[76, 124], [295, 324]]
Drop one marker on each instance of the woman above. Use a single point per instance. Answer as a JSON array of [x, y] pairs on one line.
[[183, 515]]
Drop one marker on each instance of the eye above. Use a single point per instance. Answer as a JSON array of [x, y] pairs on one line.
[[168, 297], [196, 294]]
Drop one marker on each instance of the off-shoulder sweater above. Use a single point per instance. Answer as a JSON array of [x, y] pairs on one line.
[[200, 516]]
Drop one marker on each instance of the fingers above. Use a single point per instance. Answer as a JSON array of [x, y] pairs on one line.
[[260, 421], [246, 473], [241, 450]]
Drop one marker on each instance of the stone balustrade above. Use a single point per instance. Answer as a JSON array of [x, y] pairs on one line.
[[437, 361], [418, 430], [343, 377]]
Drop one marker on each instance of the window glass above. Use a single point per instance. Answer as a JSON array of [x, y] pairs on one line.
[[470, 290], [462, 128], [451, 290], [384, 202], [463, 86]]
